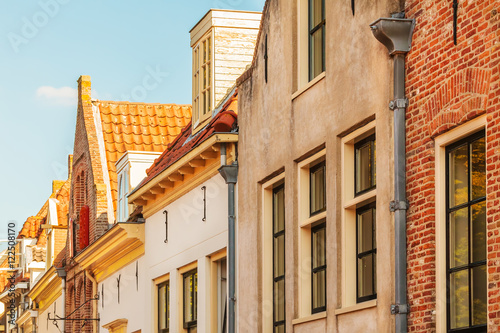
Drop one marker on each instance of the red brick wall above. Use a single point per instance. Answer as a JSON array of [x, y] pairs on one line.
[[79, 290], [448, 85], [87, 188]]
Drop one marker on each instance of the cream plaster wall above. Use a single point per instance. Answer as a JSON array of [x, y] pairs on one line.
[[281, 121], [132, 298]]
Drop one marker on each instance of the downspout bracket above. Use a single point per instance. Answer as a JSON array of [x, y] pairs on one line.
[[399, 308], [401, 103], [398, 205]]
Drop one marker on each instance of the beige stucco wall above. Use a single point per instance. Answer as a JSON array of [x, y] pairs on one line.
[[276, 130]]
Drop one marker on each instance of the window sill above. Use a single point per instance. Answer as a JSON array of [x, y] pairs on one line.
[[313, 219], [308, 85], [361, 199], [313, 317], [357, 307]]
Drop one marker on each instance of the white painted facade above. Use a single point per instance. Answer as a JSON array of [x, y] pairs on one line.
[[47, 326], [191, 242]]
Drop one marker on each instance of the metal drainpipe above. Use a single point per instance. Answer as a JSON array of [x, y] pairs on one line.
[[396, 33], [230, 175]]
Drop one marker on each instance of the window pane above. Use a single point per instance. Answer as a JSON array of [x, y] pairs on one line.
[[319, 289], [209, 96], [279, 329], [205, 51], [204, 77], [318, 187], [478, 166], [209, 48], [366, 230], [279, 300], [162, 307], [365, 166], [365, 276], [458, 176], [279, 256], [459, 299], [188, 300], [195, 296], [190, 297], [317, 45], [318, 247], [222, 306], [459, 230], [479, 295], [205, 102], [279, 210], [478, 229], [316, 13], [209, 70]]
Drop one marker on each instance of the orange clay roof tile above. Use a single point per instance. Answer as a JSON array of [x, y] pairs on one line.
[[186, 141], [138, 127]]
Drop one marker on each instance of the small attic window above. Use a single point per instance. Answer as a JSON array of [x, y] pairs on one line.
[[123, 190], [203, 94]]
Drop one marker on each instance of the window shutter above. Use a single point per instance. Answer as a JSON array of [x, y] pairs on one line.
[[84, 227]]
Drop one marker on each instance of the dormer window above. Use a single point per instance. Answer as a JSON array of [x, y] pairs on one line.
[[202, 79], [223, 43]]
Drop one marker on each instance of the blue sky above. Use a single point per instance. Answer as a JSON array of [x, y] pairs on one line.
[[45, 45]]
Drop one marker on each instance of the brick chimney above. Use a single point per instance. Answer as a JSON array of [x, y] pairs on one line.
[[84, 89]]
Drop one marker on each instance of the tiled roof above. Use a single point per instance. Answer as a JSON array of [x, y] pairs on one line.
[[32, 227], [138, 127], [39, 253], [223, 121]]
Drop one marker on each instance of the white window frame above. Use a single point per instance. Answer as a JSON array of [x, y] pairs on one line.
[[216, 300], [441, 142], [267, 253], [350, 203], [123, 191], [305, 223], [157, 283], [303, 78], [180, 292]]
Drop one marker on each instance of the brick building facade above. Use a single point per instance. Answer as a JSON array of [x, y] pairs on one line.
[[453, 90]]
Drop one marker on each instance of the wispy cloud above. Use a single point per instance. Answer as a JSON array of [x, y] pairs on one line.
[[64, 96]]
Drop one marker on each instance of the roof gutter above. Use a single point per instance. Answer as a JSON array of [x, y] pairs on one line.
[[396, 34], [215, 138]]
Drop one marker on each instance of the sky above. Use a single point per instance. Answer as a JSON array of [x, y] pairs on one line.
[[45, 45]]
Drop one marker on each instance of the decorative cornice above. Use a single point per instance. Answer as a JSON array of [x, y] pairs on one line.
[[118, 247]]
